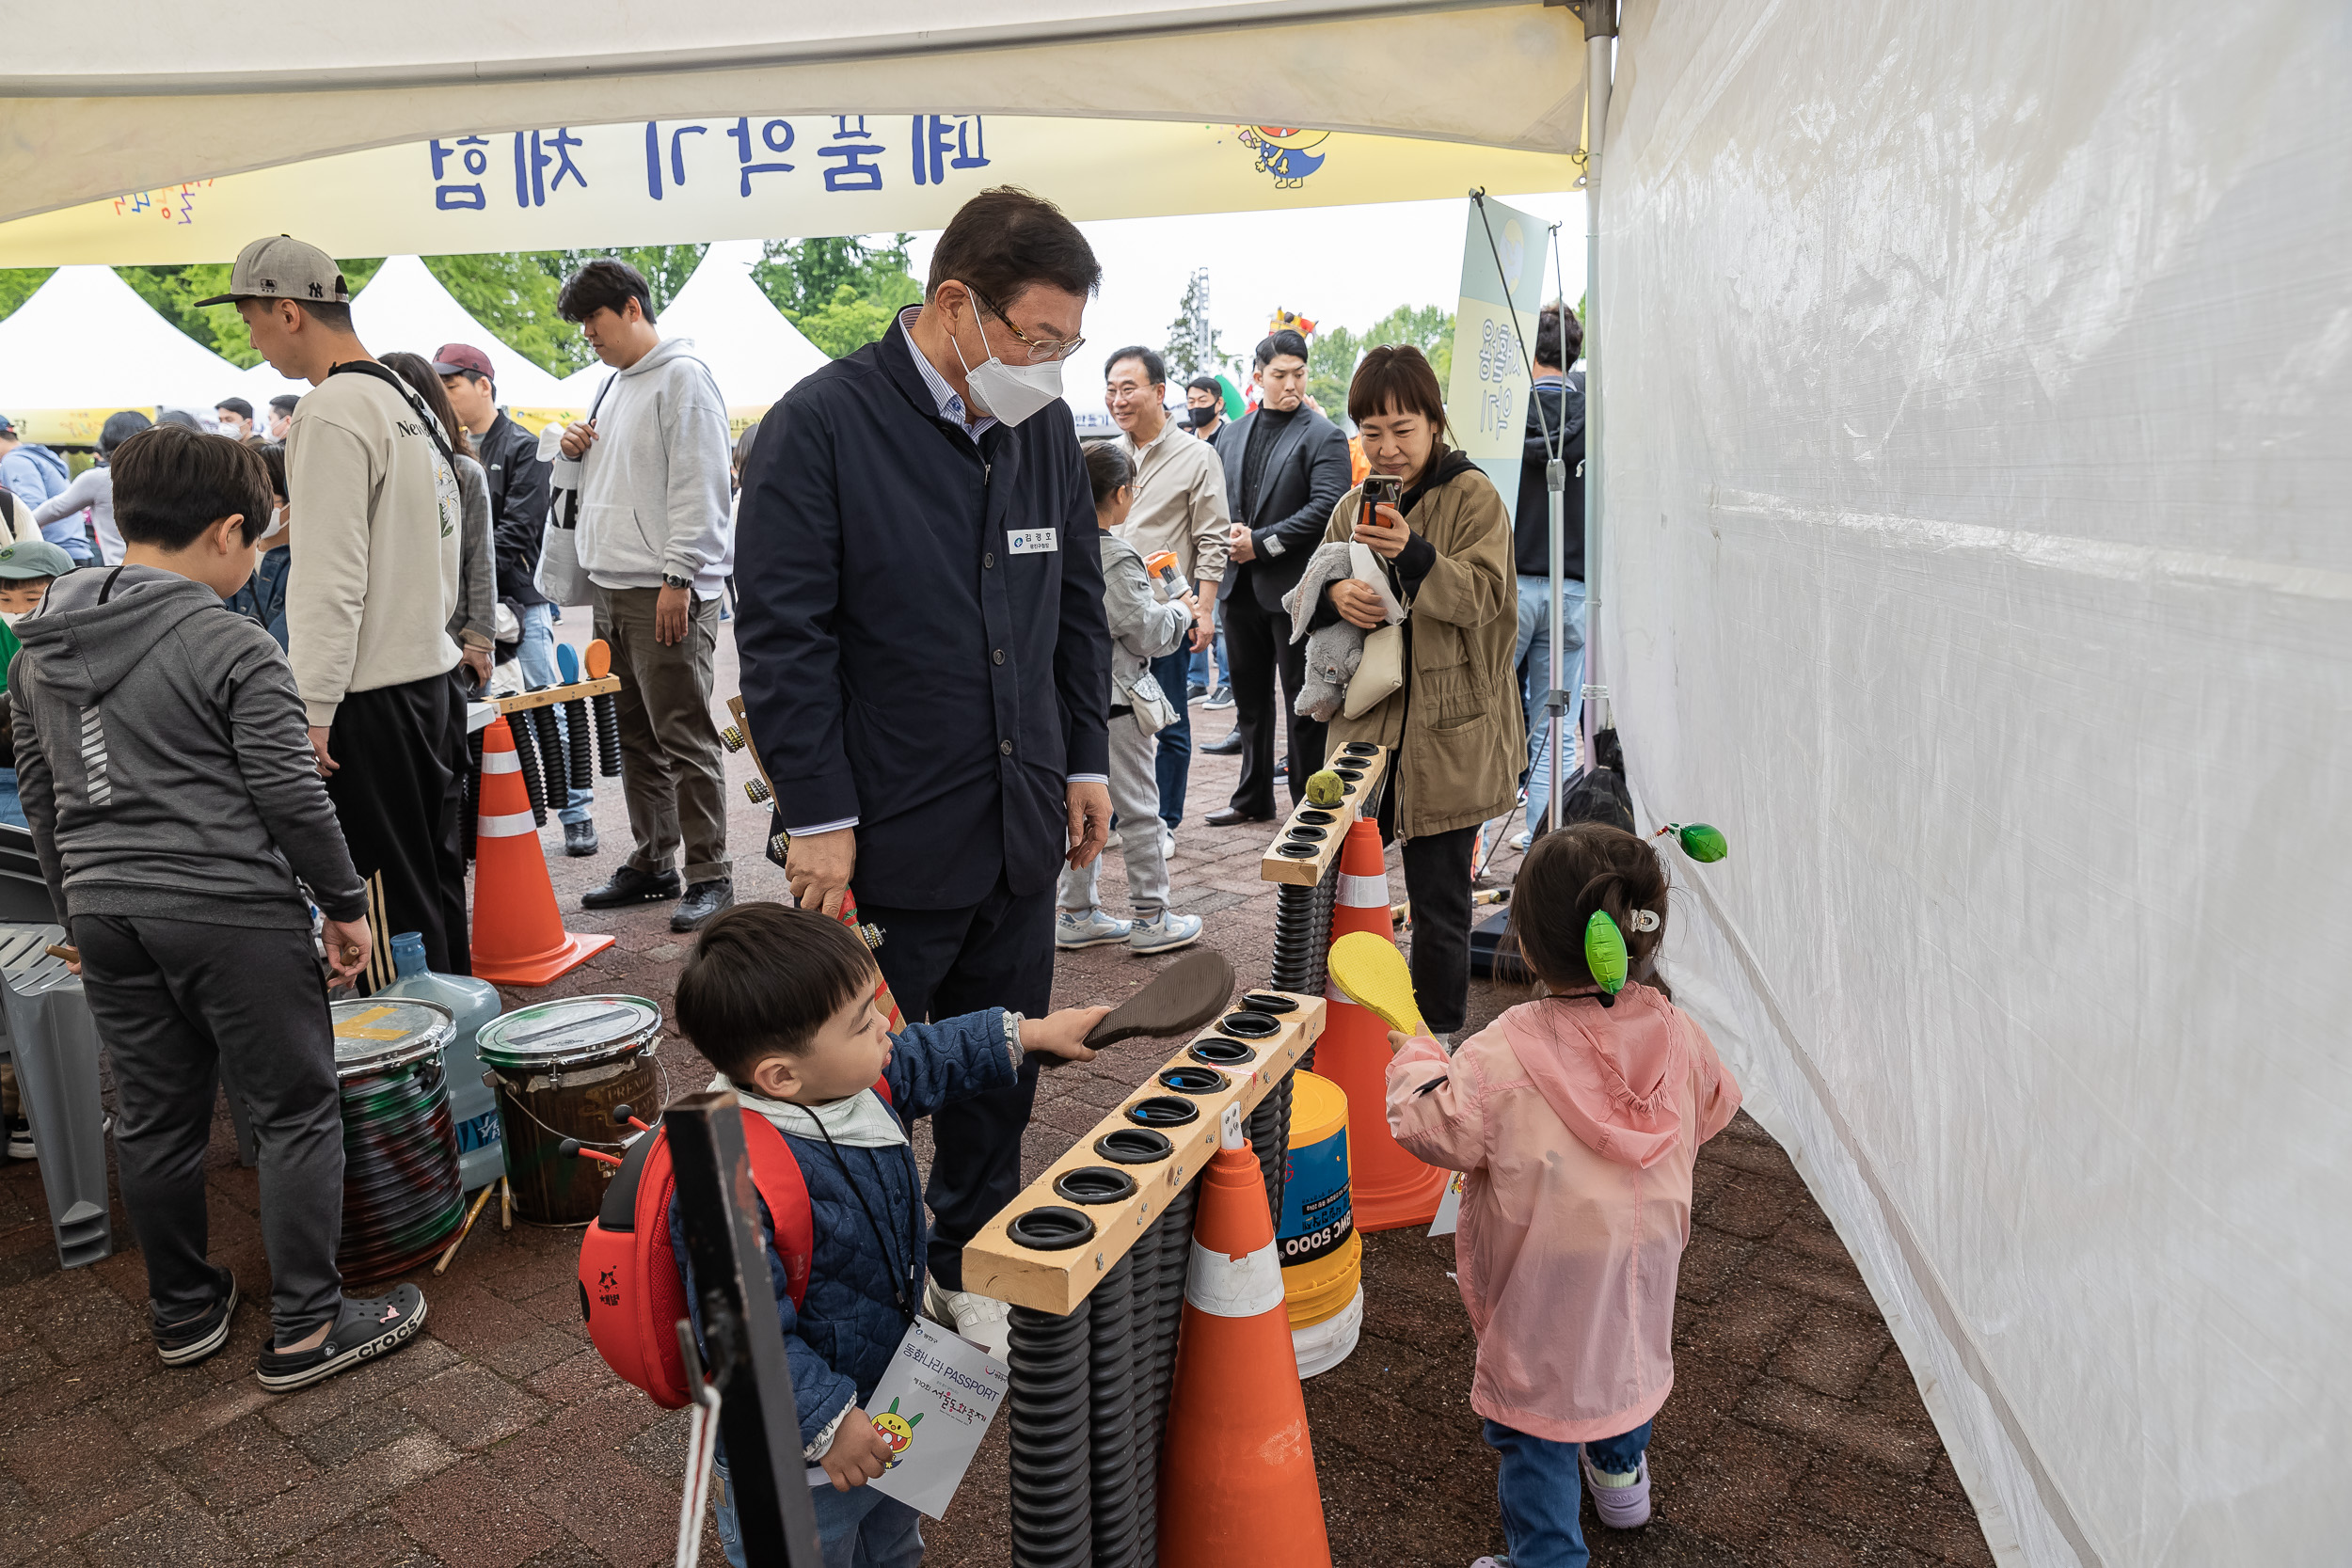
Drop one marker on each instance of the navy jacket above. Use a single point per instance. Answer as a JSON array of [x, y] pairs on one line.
[[1306, 475], [840, 1338], [1556, 409], [902, 664]]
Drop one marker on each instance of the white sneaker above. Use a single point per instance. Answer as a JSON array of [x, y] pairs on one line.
[[1522, 839], [1072, 930], [1118, 836], [983, 1320], [1166, 934], [1168, 842]]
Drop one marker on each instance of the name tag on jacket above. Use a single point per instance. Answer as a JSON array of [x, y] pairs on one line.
[[1031, 540]]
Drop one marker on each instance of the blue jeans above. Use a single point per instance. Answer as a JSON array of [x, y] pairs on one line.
[[857, 1528], [1534, 651], [11, 806], [538, 656], [1540, 1488], [1174, 763]]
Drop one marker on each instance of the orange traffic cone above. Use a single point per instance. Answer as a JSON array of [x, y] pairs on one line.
[[1392, 1189], [517, 936], [1237, 1472]]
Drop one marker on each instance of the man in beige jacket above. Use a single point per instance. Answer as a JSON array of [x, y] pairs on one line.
[[374, 579]]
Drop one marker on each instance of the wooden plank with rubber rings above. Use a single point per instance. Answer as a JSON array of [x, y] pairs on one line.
[[1309, 842]]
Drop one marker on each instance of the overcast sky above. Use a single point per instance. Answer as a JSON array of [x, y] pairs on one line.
[[1344, 267]]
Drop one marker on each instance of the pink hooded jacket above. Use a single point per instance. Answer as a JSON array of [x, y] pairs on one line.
[[1576, 1128]]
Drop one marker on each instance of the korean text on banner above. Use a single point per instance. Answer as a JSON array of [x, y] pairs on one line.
[[1493, 328]]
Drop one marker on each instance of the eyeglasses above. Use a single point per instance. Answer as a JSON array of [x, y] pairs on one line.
[[1040, 353]]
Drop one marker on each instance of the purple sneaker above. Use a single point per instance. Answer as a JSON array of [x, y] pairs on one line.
[[1621, 1504]]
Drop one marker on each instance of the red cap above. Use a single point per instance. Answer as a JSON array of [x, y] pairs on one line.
[[455, 358]]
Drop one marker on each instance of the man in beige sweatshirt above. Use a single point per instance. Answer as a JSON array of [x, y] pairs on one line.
[[374, 579]]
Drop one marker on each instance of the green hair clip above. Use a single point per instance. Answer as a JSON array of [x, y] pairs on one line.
[[1604, 951], [1700, 842]]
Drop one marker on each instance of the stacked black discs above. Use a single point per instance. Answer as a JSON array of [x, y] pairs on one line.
[[402, 1195], [577, 738], [608, 736]]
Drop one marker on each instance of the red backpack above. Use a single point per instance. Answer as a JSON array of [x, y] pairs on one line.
[[630, 1291]]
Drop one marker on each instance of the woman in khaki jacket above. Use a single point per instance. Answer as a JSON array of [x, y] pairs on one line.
[[1458, 735]]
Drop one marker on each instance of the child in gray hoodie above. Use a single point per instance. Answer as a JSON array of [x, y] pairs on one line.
[[167, 774]]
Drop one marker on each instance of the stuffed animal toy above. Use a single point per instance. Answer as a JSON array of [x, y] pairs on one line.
[[1333, 652]]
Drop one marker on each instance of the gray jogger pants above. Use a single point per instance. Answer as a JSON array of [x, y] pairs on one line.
[[1135, 797]]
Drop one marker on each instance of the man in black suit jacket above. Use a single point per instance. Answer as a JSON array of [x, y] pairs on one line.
[[1285, 468], [926, 663]]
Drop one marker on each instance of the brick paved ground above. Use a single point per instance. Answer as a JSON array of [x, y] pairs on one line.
[[1794, 1434]]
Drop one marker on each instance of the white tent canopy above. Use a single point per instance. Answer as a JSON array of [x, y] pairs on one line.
[[85, 346], [149, 100], [405, 307], [753, 354]]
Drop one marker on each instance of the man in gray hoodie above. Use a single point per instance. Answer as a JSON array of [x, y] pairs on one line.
[[166, 772], [649, 472]]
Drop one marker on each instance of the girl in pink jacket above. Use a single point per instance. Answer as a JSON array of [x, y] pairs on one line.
[[1575, 1119]]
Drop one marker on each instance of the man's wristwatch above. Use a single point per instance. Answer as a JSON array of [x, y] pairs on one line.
[[669, 580]]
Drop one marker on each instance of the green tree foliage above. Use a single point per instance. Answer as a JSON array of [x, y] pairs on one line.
[[513, 294], [1193, 346], [17, 285], [1333, 353], [173, 291], [842, 292]]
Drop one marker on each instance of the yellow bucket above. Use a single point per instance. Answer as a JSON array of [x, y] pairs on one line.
[[1322, 1254]]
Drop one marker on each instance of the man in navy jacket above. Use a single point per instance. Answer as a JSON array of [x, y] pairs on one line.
[[925, 661]]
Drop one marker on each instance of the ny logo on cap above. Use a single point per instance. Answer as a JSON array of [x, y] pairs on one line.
[[317, 292]]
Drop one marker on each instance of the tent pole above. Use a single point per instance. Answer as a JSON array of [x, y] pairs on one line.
[[1600, 36]]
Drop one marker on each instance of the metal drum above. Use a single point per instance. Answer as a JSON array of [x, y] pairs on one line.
[[561, 1067], [401, 1200]]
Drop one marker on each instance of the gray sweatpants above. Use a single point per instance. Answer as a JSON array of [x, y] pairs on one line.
[[174, 1000], [1135, 797]]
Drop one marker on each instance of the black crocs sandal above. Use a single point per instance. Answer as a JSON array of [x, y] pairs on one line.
[[183, 1344], [363, 1331]]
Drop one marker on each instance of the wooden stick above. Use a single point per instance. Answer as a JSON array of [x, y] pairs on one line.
[[471, 1214], [506, 1203], [554, 694]]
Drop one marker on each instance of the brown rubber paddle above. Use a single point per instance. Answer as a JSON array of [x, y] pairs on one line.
[[1180, 999]]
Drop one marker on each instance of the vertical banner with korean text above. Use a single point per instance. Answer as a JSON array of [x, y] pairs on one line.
[[1494, 326]]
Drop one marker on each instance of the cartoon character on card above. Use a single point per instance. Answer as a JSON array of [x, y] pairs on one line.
[[897, 1431]]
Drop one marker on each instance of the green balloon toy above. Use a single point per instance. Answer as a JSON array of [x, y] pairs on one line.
[[1604, 951], [1326, 788], [1700, 842]]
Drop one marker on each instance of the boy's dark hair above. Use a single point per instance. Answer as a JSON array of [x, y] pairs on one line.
[[272, 458], [1395, 379], [1565, 877], [1003, 240], [120, 427], [171, 483], [1155, 368], [604, 284], [416, 369], [1210, 385], [1107, 468], [1559, 336], [763, 980], [238, 406], [285, 402], [1284, 341]]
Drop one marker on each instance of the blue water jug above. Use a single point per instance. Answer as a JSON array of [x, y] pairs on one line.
[[481, 1146]]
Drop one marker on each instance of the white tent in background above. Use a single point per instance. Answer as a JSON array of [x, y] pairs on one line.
[[753, 354], [85, 346], [405, 307]]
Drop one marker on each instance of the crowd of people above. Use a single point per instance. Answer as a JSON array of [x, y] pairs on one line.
[[969, 652]]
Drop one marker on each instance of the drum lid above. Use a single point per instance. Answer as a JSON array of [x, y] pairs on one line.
[[573, 1032], [378, 1034]]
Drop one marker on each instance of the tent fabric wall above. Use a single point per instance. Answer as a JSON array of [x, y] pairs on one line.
[[755, 355], [148, 102], [85, 346], [1977, 380]]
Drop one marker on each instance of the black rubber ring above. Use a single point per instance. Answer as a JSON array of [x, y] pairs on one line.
[[1361, 748], [1300, 852], [1163, 1110], [1222, 1053], [1095, 1184], [1267, 1001], [1134, 1145], [1311, 817], [1192, 1079], [1050, 1228], [1249, 1025], [1305, 836]]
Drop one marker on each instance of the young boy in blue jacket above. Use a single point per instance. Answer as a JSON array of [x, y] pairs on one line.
[[781, 1000]]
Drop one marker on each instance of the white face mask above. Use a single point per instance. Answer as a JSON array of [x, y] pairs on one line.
[[1011, 393], [11, 617], [277, 525]]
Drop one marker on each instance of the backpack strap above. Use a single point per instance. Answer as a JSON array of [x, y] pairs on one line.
[[777, 1176]]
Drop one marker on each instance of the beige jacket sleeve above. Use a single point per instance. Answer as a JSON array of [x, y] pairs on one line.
[[1211, 518], [1473, 581], [327, 586]]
